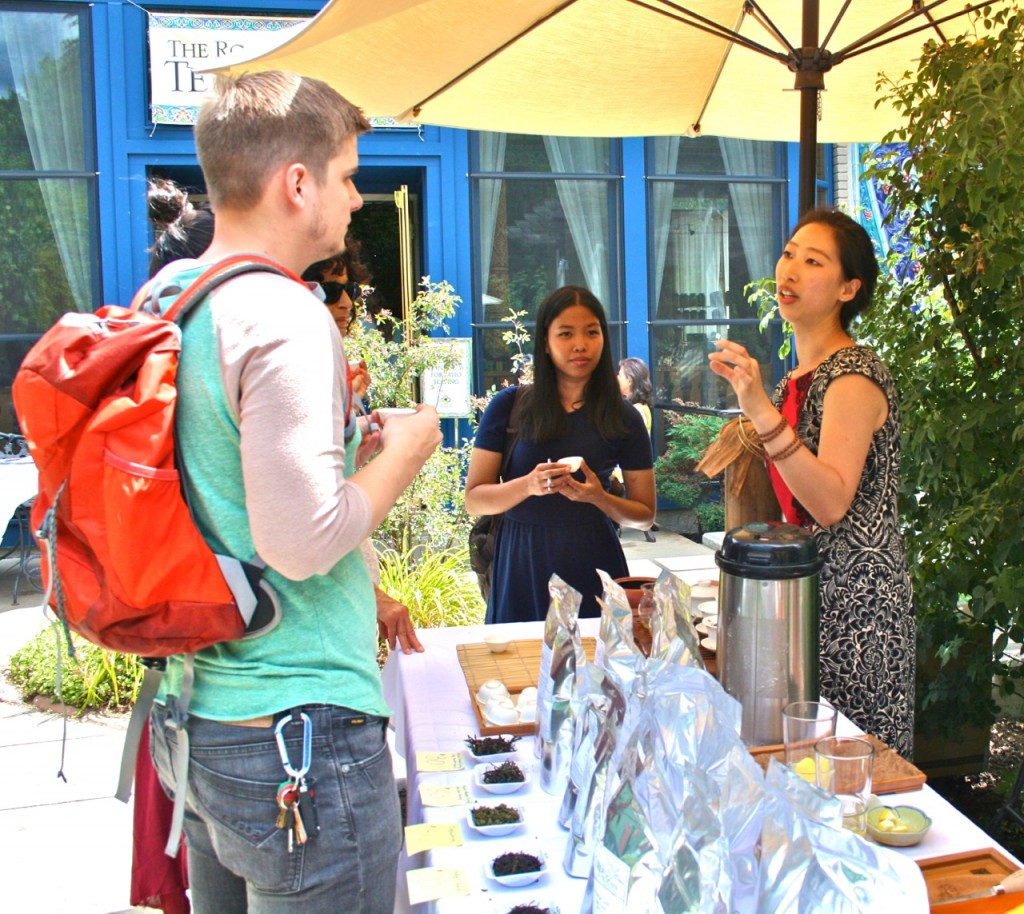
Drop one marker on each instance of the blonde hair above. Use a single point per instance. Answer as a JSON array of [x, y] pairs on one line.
[[255, 123]]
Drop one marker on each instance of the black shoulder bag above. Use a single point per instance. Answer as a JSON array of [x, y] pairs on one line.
[[485, 528]]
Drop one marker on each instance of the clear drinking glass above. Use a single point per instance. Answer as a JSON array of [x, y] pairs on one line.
[[803, 724], [843, 766], [645, 608]]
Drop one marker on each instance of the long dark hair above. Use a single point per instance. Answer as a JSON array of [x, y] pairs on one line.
[[640, 388], [543, 417], [856, 257]]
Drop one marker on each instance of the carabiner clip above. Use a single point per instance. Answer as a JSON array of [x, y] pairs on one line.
[[307, 744]]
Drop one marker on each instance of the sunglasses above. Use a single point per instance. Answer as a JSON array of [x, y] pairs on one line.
[[333, 290]]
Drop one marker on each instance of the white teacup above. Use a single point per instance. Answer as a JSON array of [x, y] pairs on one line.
[[501, 711], [493, 688], [386, 412], [573, 463], [529, 694]]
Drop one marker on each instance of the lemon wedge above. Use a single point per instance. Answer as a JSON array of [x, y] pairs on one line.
[[805, 768]]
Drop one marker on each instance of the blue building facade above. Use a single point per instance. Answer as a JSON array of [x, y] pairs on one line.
[[667, 231]]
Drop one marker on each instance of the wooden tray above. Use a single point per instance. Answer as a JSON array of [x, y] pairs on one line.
[[953, 876], [892, 772], [517, 667]]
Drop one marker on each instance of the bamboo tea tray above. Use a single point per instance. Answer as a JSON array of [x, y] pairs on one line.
[[517, 667], [892, 772], [954, 876]]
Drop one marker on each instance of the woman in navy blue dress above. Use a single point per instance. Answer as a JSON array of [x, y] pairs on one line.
[[558, 521]]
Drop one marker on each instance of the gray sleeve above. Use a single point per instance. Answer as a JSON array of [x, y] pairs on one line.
[[282, 364]]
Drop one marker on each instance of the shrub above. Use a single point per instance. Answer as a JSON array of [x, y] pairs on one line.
[[95, 679], [687, 438], [436, 585]]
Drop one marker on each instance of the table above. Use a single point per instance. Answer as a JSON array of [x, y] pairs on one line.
[[429, 696], [19, 484]]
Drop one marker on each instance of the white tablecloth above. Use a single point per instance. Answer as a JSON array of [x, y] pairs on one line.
[[19, 482], [430, 698]]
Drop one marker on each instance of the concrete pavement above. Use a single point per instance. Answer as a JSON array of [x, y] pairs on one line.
[[66, 846]]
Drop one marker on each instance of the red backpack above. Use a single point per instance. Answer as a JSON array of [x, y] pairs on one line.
[[124, 563]]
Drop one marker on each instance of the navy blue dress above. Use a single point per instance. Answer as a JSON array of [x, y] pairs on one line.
[[545, 535]]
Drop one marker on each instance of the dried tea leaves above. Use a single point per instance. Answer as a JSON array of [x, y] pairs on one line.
[[502, 814], [491, 745], [505, 773], [515, 862]]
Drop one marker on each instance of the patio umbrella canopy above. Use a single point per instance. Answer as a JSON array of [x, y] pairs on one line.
[[625, 67]]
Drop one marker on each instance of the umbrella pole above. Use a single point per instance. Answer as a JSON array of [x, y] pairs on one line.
[[809, 82], [808, 148]]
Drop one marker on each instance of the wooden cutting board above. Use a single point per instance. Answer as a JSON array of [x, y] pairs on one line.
[[953, 876], [517, 667], [892, 773]]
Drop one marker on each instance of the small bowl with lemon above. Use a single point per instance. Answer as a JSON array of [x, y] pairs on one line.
[[897, 826]]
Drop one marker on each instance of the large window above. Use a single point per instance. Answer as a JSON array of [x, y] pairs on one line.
[[546, 214], [47, 178], [715, 216]]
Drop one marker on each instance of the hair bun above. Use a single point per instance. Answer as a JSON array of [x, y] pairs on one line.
[[167, 202]]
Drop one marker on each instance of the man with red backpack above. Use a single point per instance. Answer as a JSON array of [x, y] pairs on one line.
[[291, 801]]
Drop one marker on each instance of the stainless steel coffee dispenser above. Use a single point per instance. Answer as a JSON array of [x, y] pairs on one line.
[[768, 623]]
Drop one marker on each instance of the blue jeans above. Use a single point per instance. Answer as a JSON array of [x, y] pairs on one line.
[[238, 859]]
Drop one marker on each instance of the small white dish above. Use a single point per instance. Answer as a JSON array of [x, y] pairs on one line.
[[493, 758], [496, 831], [711, 631], [711, 643], [573, 463], [704, 591], [492, 688], [498, 644], [501, 711], [516, 880], [501, 788], [709, 608]]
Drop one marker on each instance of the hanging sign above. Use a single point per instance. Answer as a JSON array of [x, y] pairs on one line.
[[181, 45]]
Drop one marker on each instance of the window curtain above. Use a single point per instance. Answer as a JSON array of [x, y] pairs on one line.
[[492, 159], [666, 154], [585, 204], [752, 202], [701, 254], [45, 67]]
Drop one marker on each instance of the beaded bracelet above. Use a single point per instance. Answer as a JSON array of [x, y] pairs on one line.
[[788, 451], [775, 432]]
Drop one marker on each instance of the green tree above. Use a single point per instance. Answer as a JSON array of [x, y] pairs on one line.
[[952, 337]]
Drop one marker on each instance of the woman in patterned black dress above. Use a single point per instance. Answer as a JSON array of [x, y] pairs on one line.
[[831, 432]]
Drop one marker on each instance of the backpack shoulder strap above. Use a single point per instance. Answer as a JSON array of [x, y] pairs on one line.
[[218, 273], [511, 434]]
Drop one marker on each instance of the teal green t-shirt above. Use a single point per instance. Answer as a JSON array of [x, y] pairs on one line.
[[325, 649]]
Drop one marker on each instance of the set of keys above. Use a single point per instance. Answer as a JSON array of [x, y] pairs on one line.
[[292, 798], [296, 797]]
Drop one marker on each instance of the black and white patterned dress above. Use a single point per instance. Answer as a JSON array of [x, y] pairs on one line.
[[867, 631]]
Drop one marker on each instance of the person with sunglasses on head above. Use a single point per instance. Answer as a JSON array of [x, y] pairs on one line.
[[342, 279]]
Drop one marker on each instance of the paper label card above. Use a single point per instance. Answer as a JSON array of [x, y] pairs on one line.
[[440, 761], [429, 835], [431, 883], [437, 795]]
